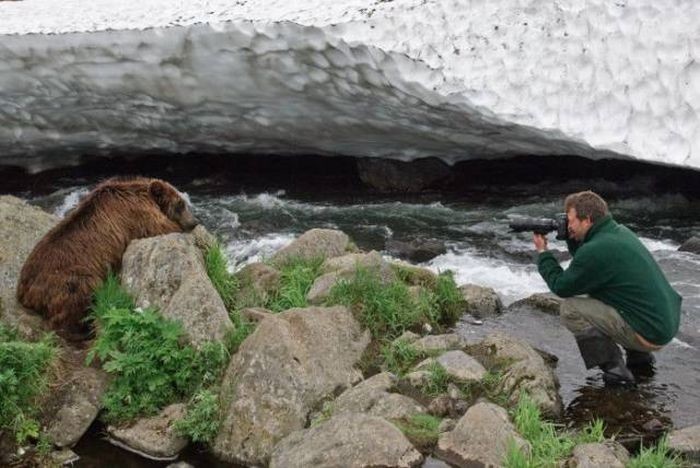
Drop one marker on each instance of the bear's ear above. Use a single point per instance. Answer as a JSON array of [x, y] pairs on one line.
[[158, 191]]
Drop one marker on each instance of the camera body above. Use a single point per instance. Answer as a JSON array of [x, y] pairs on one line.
[[559, 224]]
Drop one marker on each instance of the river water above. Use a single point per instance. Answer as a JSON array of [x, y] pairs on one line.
[[481, 250]]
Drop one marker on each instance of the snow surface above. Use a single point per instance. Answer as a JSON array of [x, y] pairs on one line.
[[399, 79]]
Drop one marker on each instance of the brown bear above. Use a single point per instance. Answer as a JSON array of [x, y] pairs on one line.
[[72, 259]]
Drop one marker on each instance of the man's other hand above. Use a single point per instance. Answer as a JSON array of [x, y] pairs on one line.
[[540, 242]]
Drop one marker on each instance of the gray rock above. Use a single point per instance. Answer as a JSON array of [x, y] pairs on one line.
[[315, 243], [153, 437], [416, 250], [691, 245], [458, 365], [372, 397], [686, 441], [481, 301], [168, 272], [525, 371], [388, 175], [544, 302], [418, 378], [181, 464], [480, 438], [348, 440], [609, 454], [431, 343], [74, 405], [408, 337], [285, 369], [257, 283], [21, 227], [64, 457]]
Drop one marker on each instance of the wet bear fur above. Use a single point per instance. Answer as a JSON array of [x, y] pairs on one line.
[[73, 259]]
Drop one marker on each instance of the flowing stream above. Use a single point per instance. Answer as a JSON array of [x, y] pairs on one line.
[[481, 250]]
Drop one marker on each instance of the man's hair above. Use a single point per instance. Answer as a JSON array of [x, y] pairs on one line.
[[587, 205]]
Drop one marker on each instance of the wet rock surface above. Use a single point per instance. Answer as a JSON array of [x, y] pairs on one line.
[[481, 301], [153, 437], [686, 441]]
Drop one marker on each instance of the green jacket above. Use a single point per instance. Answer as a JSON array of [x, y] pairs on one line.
[[613, 266]]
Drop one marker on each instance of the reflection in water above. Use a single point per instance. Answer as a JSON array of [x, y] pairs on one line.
[[631, 415]]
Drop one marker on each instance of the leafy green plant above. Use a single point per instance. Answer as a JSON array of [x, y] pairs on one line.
[[297, 276], [144, 351], [449, 299], [421, 429], [658, 456], [201, 424], [23, 378]]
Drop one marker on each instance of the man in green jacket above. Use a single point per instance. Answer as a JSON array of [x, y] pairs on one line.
[[627, 301]]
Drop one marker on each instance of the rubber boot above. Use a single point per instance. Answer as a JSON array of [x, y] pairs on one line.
[[598, 350], [640, 363]]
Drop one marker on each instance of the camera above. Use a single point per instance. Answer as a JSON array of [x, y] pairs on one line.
[[560, 224]]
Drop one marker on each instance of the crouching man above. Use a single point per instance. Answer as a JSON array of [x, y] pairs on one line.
[[628, 299]]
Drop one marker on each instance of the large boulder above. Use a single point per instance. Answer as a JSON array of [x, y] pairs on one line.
[[315, 243], [348, 440], [524, 370], [686, 441], [481, 301], [691, 245], [21, 227], [285, 369], [416, 250], [168, 272], [387, 175], [154, 437], [373, 397], [480, 438]]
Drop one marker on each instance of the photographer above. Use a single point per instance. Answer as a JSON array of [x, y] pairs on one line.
[[629, 301]]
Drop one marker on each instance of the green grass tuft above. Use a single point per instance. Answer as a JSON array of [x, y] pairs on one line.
[[390, 309], [549, 447], [144, 352], [297, 276], [201, 424], [421, 429], [438, 380], [658, 456], [399, 356], [23, 379], [224, 282]]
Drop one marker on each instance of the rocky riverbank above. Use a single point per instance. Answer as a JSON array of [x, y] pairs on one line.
[[319, 385]]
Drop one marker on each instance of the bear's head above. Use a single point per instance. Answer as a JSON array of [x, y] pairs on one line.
[[172, 204]]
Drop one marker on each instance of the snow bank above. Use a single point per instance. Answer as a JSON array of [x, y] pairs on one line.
[[396, 79]]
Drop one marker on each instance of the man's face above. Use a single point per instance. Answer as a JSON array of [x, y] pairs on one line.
[[577, 227]]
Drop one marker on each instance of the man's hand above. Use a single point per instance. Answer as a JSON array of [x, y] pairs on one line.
[[540, 242]]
